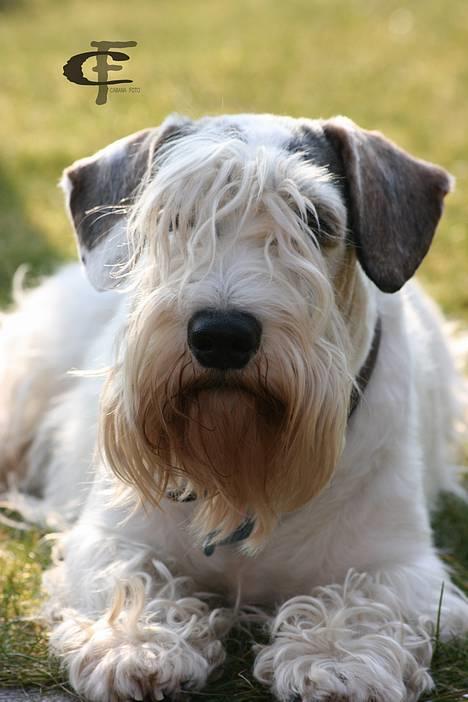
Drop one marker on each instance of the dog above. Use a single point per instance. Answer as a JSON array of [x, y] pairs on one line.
[[249, 409]]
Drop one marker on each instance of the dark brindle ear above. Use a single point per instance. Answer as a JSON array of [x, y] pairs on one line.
[[394, 201], [99, 191]]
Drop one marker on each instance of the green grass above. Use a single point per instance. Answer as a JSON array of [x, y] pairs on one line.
[[402, 68]]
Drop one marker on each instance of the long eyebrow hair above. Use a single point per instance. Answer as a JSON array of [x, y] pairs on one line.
[[202, 180]]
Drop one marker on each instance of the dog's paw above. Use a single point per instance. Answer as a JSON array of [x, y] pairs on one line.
[[157, 670], [154, 662], [296, 676], [343, 644]]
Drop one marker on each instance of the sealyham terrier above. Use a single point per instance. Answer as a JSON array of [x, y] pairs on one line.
[[258, 416]]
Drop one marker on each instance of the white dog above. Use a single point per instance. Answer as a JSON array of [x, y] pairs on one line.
[[257, 412]]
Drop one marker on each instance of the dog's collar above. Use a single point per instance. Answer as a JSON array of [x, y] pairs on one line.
[[365, 373], [244, 530]]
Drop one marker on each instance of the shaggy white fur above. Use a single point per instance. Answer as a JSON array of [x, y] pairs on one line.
[[226, 214]]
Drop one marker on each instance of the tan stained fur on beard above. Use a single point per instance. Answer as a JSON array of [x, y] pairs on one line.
[[250, 445]]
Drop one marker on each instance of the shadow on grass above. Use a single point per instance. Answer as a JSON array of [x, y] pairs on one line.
[[21, 241], [450, 523]]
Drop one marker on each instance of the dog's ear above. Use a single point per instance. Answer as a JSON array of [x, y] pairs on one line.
[[394, 200], [100, 190]]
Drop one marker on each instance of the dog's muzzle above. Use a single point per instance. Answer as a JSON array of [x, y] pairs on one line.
[[223, 339]]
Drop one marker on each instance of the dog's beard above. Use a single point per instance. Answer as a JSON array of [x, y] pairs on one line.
[[250, 444], [223, 438]]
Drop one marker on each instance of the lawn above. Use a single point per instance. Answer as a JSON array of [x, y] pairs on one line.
[[399, 67]]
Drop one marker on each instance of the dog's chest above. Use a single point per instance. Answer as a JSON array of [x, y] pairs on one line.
[[296, 558]]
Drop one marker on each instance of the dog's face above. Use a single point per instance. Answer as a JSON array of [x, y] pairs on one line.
[[249, 247]]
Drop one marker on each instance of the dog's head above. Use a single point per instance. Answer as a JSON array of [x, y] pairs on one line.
[[250, 247]]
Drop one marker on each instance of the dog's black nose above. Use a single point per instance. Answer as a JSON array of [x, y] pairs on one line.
[[224, 339]]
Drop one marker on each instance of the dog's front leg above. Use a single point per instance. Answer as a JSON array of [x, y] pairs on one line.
[[125, 627], [367, 640]]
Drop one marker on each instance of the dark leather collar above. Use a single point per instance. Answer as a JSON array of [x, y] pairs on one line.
[[365, 374]]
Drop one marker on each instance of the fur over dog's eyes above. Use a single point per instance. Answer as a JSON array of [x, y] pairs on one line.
[[322, 230]]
